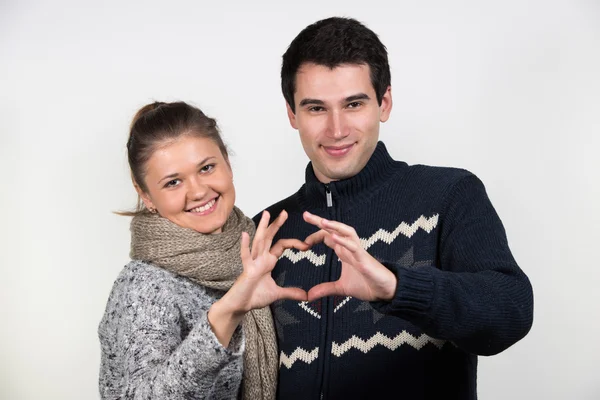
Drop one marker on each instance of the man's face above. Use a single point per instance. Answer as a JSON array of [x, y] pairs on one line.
[[337, 116]]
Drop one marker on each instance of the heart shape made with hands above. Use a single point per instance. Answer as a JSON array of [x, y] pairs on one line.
[[362, 276]]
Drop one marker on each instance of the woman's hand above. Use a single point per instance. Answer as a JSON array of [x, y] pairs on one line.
[[255, 288]]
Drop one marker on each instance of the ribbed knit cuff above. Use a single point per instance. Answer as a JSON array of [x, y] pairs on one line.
[[203, 331], [414, 292]]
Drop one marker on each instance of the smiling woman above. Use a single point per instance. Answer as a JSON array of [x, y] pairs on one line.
[[189, 181], [156, 130], [189, 316]]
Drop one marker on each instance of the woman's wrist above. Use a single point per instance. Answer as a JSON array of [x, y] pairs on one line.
[[223, 320]]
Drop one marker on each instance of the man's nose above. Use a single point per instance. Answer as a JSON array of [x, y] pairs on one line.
[[337, 127]]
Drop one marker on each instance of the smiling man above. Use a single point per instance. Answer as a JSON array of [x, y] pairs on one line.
[[337, 115], [409, 276]]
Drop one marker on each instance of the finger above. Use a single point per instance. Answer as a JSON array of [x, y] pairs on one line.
[[274, 228], [346, 242], [292, 294], [313, 219], [263, 223], [342, 229], [321, 236], [325, 289], [345, 255], [282, 244], [328, 225], [245, 249], [258, 242], [316, 237]]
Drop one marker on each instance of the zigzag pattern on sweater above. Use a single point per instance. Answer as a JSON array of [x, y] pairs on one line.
[[298, 354], [408, 230], [427, 224], [380, 339], [363, 345], [343, 302], [294, 257], [305, 307]]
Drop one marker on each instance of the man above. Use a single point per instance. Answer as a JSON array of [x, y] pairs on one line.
[[409, 276]]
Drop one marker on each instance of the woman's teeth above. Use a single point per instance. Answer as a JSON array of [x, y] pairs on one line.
[[204, 207]]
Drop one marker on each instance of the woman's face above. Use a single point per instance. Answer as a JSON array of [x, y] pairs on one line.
[[190, 183]]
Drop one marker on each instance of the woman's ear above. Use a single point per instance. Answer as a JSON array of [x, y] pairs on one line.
[[145, 198]]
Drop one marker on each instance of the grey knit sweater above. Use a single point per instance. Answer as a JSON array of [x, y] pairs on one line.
[[157, 343]]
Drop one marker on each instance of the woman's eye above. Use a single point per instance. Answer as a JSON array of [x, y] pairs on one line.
[[207, 168], [172, 183]]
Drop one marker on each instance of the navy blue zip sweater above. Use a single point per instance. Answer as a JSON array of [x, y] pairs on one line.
[[460, 292]]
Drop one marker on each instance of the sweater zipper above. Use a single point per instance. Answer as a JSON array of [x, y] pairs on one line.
[[330, 209], [328, 195]]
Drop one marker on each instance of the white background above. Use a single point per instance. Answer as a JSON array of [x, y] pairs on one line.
[[509, 90]]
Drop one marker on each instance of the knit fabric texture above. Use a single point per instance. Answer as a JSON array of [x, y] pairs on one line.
[[157, 343], [213, 261], [460, 292]]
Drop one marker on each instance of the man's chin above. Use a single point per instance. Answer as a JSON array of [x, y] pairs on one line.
[[339, 174]]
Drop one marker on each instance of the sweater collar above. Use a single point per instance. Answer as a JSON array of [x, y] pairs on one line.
[[379, 168]]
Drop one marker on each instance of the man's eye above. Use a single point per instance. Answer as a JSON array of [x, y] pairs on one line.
[[316, 109], [354, 104], [207, 168]]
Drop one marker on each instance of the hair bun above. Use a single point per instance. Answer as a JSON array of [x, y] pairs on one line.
[[144, 110]]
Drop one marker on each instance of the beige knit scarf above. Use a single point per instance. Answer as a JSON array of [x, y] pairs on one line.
[[213, 261]]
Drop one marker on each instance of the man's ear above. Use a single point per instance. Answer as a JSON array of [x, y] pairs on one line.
[[386, 105], [291, 116]]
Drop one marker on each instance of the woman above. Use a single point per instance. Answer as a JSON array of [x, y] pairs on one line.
[[173, 322]]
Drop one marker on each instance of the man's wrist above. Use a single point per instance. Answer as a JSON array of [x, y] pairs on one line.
[[390, 288]]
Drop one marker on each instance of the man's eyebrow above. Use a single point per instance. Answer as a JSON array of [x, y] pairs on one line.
[[306, 102], [359, 96], [349, 99]]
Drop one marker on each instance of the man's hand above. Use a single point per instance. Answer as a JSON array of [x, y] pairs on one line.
[[362, 275]]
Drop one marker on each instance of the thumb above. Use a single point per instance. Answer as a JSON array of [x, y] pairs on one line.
[[291, 293], [324, 289]]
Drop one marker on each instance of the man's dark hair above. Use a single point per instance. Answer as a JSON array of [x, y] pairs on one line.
[[331, 42]]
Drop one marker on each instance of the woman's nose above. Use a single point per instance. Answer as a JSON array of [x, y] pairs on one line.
[[197, 189]]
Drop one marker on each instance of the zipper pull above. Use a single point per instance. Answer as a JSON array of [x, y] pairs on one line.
[[328, 195]]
